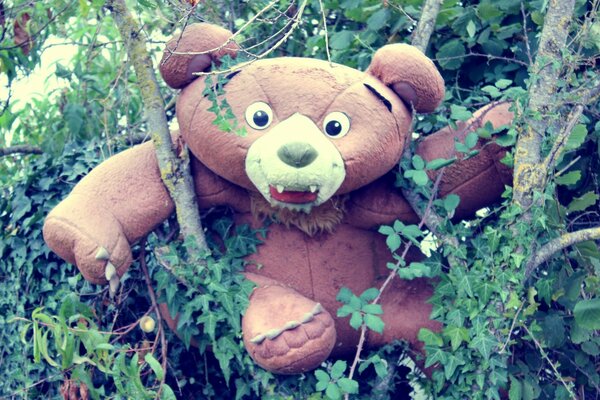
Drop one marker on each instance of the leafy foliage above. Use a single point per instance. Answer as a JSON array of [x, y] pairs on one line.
[[528, 338]]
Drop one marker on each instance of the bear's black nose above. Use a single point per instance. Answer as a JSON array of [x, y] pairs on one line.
[[297, 154]]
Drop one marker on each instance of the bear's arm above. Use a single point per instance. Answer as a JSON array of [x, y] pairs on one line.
[[478, 181], [116, 204]]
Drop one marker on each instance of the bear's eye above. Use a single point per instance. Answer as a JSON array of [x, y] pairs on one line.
[[259, 115], [336, 124]]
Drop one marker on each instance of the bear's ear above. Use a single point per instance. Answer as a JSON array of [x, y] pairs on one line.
[[409, 73], [194, 51]]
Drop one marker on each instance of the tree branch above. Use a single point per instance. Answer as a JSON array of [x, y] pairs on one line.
[[20, 149], [556, 245], [174, 168], [426, 25], [545, 73]]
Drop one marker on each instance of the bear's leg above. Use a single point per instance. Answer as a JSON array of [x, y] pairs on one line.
[[405, 312], [285, 332]]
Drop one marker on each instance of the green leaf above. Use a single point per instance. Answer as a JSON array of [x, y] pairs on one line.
[[341, 40], [378, 19], [374, 323], [393, 242], [590, 348], [456, 335], [348, 385], [344, 295], [451, 202], [516, 389], [503, 83], [420, 178], [418, 162], [430, 338], [570, 178], [372, 309], [471, 140], [167, 393], [452, 362], [553, 330], [450, 55], [344, 311], [577, 137], [438, 163], [155, 366], [484, 343], [583, 202], [369, 294], [587, 313], [322, 376], [471, 28], [356, 320], [333, 391], [459, 113], [337, 370]]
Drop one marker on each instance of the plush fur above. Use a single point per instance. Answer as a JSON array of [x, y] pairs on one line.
[[322, 144]]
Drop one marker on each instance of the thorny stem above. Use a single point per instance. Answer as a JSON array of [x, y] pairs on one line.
[[545, 355], [390, 277]]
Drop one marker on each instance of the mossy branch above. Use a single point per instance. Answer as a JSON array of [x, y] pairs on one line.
[[530, 175], [568, 239], [20, 149], [174, 168], [426, 24]]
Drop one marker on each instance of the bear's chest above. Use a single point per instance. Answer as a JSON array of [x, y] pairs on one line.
[[318, 266]]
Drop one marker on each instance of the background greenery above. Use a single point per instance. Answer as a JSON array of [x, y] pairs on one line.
[[506, 333]]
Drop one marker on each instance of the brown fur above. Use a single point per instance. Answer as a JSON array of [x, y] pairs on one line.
[[321, 219]]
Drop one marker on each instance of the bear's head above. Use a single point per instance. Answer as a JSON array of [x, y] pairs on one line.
[[314, 129]]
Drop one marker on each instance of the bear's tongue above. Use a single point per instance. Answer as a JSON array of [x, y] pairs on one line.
[[291, 196]]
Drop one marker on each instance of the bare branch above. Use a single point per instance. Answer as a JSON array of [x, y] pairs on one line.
[[426, 25], [568, 239], [174, 168], [20, 149]]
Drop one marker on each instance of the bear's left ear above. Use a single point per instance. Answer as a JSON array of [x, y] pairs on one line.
[[409, 73]]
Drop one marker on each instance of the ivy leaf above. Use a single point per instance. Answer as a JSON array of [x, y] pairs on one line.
[[483, 343], [452, 362], [516, 389], [456, 335], [587, 313], [430, 338]]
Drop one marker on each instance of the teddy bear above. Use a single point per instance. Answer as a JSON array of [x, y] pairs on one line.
[[319, 158]]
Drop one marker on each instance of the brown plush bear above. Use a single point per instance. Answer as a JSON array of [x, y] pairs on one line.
[[321, 142]]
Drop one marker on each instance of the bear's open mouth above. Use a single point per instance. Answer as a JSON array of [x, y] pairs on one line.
[[294, 196]]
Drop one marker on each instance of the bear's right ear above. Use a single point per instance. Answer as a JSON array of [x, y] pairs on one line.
[[194, 51]]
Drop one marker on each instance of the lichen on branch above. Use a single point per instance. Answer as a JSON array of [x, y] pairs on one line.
[[174, 168]]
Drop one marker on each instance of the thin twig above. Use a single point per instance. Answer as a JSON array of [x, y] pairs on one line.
[[388, 280], [545, 355], [325, 29], [20, 149], [161, 333]]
